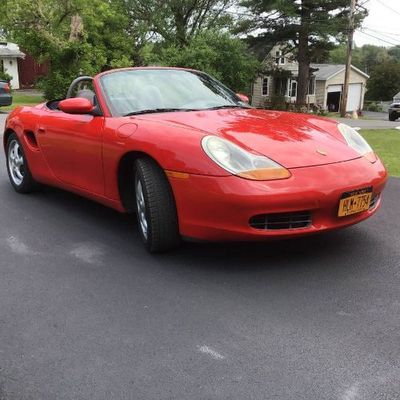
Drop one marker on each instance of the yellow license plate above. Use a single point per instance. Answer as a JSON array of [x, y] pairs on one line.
[[355, 202]]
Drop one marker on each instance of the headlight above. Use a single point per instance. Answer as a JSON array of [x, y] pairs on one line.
[[357, 142], [240, 162]]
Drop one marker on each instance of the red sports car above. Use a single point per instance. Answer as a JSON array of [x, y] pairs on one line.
[[192, 159]]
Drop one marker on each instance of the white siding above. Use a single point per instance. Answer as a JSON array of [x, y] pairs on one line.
[[320, 93], [11, 68]]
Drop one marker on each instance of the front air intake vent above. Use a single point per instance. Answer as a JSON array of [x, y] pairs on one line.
[[293, 220]]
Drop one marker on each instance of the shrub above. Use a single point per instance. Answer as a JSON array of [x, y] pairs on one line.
[[6, 77], [276, 102], [373, 106]]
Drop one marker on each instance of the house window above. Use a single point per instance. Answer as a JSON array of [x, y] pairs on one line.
[[293, 89], [279, 58], [311, 85], [265, 86]]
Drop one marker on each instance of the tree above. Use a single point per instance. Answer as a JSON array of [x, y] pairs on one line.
[[364, 58], [308, 28], [384, 82], [75, 36], [177, 21], [216, 53], [394, 53]]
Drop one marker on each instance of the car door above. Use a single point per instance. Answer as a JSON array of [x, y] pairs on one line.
[[72, 147]]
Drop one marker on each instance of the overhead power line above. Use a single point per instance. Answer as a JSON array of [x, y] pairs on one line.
[[388, 7], [384, 33], [378, 38]]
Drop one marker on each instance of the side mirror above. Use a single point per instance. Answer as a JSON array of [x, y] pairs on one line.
[[243, 97], [76, 105]]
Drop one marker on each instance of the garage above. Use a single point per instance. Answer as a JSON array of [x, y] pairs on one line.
[[330, 81], [354, 98]]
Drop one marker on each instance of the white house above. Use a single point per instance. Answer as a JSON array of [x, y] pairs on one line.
[[325, 87], [9, 54], [396, 98]]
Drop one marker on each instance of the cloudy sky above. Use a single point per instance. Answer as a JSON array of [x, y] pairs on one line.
[[382, 26]]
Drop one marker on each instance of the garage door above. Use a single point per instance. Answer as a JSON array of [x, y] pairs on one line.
[[354, 97], [334, 88]]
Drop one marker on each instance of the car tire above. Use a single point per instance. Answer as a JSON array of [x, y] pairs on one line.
[[156, 209], [20, 175], [392, 117]]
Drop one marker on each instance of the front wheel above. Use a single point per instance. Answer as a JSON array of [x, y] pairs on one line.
[[18, 170], [155, 206], [392, 116]]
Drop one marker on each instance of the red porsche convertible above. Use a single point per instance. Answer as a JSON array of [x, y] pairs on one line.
[[192, 159]]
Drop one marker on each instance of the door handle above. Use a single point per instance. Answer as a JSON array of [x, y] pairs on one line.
[[41, 129]]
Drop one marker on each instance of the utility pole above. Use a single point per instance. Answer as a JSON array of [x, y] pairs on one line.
[[345, 92]]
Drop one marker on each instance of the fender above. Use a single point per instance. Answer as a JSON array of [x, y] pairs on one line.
[[25, 121], [145, 138]]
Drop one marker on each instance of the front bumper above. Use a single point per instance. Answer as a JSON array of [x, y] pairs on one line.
[[219, 208]]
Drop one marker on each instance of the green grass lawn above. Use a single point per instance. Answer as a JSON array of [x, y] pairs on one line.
[[386, 142], [23, 100]]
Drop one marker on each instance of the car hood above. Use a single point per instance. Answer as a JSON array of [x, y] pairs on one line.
[[292, 140]]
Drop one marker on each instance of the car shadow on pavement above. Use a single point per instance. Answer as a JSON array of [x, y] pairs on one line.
[[320, 250], [106, 225]]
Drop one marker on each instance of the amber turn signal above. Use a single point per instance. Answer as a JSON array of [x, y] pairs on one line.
[[265, 174], [176, 174]]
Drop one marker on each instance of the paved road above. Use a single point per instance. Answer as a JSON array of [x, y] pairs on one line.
[[384, 116], [371, 123], [86, 313]]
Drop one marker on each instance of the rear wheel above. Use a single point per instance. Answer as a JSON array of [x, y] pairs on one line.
[[17, 167], [392, 116], [156, 209]]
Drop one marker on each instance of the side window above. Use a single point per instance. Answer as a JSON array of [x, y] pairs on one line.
[[279, 58], [84, 89], [265, 86], [83, 85]]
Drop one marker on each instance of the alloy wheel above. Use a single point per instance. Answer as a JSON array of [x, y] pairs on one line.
[[141, 208], [16, 163]]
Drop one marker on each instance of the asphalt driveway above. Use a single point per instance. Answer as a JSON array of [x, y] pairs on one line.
[[86, 313]]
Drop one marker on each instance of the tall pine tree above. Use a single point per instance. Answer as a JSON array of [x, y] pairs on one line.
[[308, 28]]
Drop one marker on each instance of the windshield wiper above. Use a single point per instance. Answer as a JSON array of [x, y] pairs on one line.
[[226, 106], [157, 110]]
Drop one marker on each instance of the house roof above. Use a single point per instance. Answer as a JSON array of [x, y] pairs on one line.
[[6, 52], [328, 71], [397, 96]]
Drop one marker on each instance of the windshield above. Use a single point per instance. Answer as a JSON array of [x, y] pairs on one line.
[[130, 92]]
